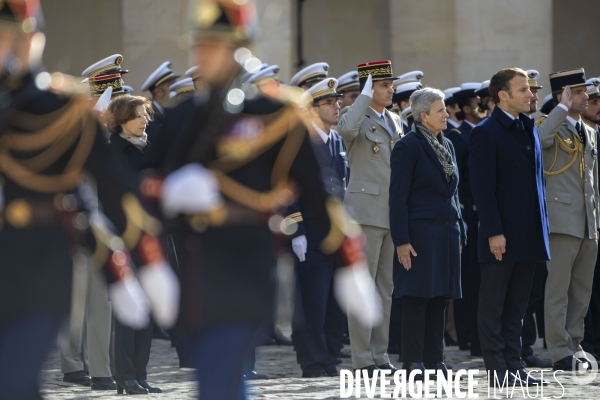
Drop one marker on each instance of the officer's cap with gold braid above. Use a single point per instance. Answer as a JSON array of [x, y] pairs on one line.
[[162, 74], [267, 74], [348, 82], [571, 77], [532, 79], [321, 90], [313, 73], [104, 74], [231, 20], [182, 86], [193, 73], [379, 70], [592, 87]]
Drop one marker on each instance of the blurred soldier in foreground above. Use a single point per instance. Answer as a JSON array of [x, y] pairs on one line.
[[47, 143], [245, 159]]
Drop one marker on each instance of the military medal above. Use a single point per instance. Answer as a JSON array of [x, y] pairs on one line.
[[375, 148], [373, 129]]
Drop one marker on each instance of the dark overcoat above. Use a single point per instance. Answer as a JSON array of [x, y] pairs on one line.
[[425, 212], [509, 189]]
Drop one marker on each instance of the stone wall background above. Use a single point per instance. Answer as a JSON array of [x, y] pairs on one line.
[[451, 41]]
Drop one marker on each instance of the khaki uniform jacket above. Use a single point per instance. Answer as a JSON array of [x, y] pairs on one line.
[[369, 145], [572, 198]]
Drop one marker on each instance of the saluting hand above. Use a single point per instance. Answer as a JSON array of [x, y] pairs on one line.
[[404, 252], [498, 246], [566, 99]]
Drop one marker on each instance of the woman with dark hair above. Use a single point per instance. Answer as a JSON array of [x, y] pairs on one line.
[[126, 119]]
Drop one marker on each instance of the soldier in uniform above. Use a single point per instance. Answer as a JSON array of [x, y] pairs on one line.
[[257, 153], [47, 143], [485, 100], [182, 90], [452, 109], [348, 87], [311, 75], [370, 132], [402, 95], [535, 305], [571, 169], [158, 85], [468, 102], [591, 322], [319, 343]]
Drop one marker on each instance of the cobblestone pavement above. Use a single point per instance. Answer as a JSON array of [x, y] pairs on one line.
[[278, 362]]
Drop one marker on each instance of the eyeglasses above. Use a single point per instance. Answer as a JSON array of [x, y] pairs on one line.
[[330, 104]]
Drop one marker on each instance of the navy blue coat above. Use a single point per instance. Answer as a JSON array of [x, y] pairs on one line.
[[460, 140], [509, 189], [425, 212]]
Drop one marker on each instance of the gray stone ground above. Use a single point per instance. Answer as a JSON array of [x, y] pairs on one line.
[[279, 363]]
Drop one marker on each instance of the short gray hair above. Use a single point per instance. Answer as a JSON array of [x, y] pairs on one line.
[[422, 99]]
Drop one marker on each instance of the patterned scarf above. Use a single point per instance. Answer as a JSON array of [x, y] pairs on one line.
[[441, 152]]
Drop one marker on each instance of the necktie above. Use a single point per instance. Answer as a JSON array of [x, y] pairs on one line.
[[329, 144], [579, 130], [381, 117]]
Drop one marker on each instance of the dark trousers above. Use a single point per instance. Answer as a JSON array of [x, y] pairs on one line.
[[219, 355], [322, 319], [502, 303], [461, 306], [395, 326], [132, 352], [591, 322], [423, 327], [473, 283], [535, 305], [24, 345]]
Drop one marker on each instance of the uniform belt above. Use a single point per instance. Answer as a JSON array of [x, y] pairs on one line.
[[44, 213]]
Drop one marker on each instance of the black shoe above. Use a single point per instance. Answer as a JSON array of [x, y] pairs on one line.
[[333, 372], [370, 370], [185, 364], [570, 363], [78, 377], [464, 347], [283, 341], [512, 381], [389, 367], [315, 374], [159, 333], [253, 375], [409, 367], [440, 366], [529, 380], [534, 362], [448, 340], [151, 389], [131, 387], [345, 354], [103, 383]]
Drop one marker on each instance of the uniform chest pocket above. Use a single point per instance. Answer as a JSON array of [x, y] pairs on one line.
[[363, 187], [374, 145]]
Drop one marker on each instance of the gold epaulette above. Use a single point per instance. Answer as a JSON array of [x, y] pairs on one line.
[[540, 120]]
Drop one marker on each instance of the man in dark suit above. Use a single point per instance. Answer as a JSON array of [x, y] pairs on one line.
[[507, 182], [468, 102], [320, 339]]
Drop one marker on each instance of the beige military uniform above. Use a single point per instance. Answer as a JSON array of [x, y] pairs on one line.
[[572, 199], [369, 142]]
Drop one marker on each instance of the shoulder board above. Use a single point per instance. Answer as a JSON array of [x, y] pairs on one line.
[[540, 120]]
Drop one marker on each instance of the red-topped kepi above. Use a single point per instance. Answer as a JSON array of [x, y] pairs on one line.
[[379, 70]]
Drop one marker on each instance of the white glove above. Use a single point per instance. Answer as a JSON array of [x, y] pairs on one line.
[[355, 292], [161, 285], [368, 88], [189, 190], [299, 247], [129, 303]]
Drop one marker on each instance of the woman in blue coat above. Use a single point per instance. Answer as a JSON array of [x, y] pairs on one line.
[[427, 230]]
